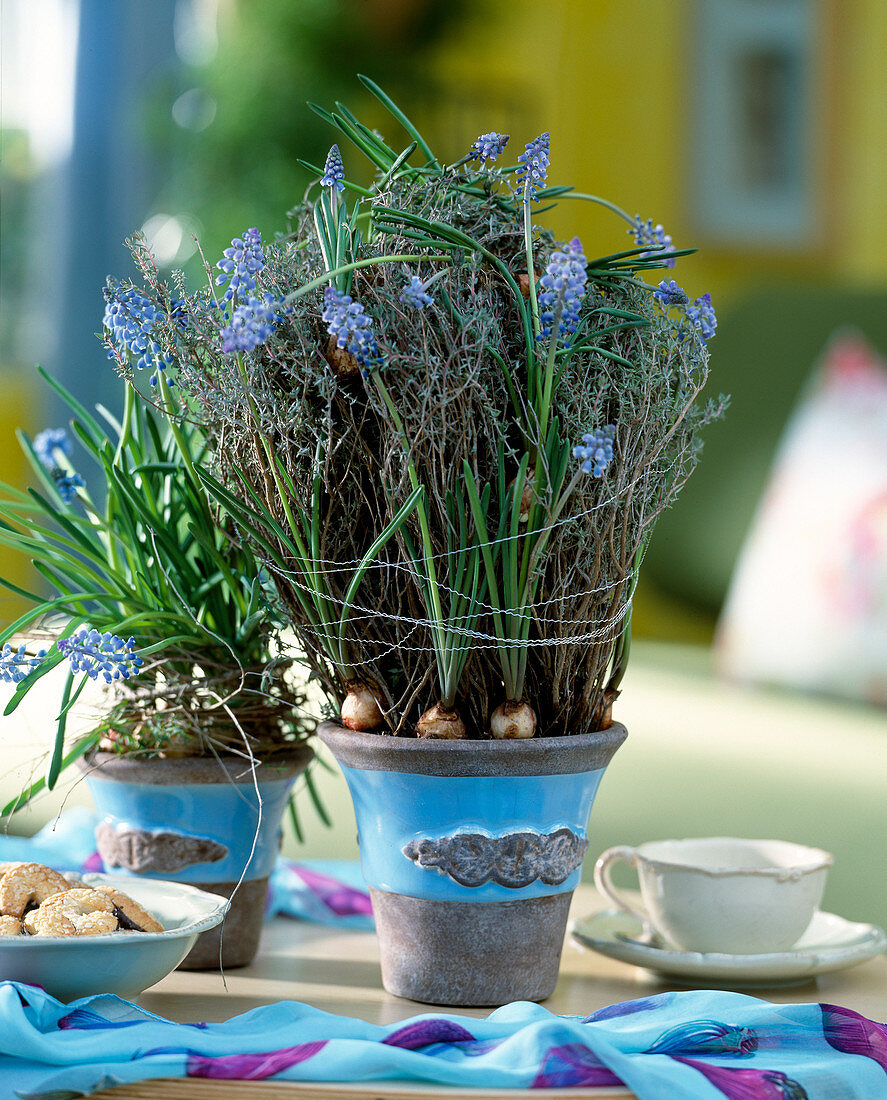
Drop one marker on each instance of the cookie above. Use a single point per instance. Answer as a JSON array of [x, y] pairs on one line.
[[28, 884], [10, 926], [73, 913], [130, 914]]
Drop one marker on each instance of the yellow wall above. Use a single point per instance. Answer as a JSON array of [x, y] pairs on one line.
[[16, 411], [861, 249], [613, 80]]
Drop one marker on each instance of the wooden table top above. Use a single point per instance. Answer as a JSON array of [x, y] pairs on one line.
[[338, 971]]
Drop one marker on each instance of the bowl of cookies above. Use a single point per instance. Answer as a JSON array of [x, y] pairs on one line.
[[76, 935]]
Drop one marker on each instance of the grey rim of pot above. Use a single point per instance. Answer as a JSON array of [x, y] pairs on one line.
[[533, 756], [225, 768]]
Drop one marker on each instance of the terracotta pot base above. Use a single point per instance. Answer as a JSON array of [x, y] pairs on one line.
[[470, 953], [238, 934]]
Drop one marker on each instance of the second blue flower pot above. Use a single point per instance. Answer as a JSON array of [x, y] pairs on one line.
[[204, 821]]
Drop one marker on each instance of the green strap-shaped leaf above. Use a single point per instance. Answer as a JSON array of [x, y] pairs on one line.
[[79, 410], [69, 698], [397, 113], [368, 149], [392, 527]]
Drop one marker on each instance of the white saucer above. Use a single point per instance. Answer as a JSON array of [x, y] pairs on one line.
[[830, 943]]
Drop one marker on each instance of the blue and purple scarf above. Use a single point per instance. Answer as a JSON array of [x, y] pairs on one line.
[[700, 1045]]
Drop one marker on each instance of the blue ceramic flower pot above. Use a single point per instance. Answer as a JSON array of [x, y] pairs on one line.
[[197, 820], [471, 851]]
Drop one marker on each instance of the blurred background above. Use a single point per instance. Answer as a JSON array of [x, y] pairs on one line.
[[755, 130], [752, 129]]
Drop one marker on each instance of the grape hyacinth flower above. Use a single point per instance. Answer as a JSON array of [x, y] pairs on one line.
[[701, 315], [92, 653], [347, 321], [15, 664], [597, 452], [47, 442], [669, 294], [415, 294], [179, 312], [564, 281], [241, 263], [534, 166], [700, 312], [333, 170], [67, 484], [489, 146], [130, 318], [654, 237], [251, 324]]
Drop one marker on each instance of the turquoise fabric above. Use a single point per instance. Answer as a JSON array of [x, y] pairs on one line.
[[695, 1045], [66, 843], [324, 891]]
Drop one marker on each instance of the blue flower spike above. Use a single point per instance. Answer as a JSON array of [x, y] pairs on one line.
[[347, 321], [52, 446], [93, 653], [534, 166], [564, 281], [596, 453], [15, 664], [240, 264], [653, 237], [67, 484], [669, 294], [701, 314], [415, 294], [333, 171], [252, 323], [130, 318], [47, 442], [489, 146]]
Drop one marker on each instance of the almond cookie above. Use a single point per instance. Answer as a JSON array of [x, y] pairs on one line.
[[28, 884], [73, 913], [129, 913], [10, 926]]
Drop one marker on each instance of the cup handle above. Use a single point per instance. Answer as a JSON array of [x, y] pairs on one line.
[[603, 882]]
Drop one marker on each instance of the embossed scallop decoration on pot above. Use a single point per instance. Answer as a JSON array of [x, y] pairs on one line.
[[471, 851]]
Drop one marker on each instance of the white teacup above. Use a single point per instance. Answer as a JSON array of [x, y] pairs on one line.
[[723, 894]]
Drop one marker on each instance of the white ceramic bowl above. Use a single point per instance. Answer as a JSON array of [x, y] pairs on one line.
[[125, 963]]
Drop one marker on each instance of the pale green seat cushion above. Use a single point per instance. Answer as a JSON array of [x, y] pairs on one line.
[[764, 351], [707, 758]]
